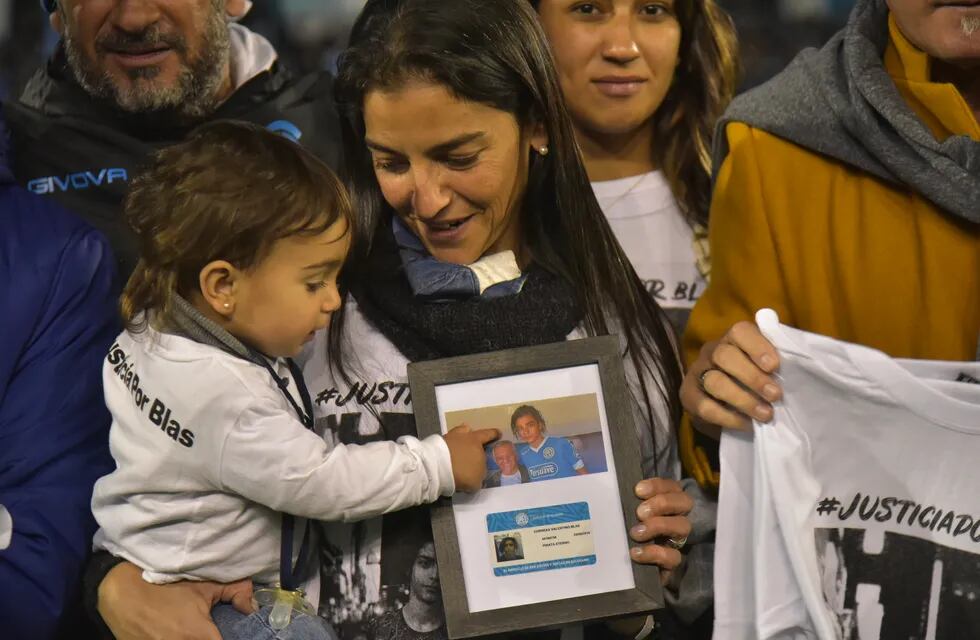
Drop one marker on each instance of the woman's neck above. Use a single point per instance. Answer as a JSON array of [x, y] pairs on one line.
[[614, 156]]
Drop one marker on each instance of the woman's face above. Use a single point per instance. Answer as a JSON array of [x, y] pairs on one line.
[[616, 59], [454, 171]]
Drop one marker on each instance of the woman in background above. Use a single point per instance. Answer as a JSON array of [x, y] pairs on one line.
[[480, 232], [645, 83]]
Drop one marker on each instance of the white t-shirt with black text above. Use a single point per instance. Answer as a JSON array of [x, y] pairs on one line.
[[856, 512], [209, 453], [657, 239]]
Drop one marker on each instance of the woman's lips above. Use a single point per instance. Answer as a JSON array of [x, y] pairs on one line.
[[619, 87], [446, 232]]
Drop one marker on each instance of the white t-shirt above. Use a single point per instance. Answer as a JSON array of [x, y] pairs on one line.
[[209, 453], [657, 239], [856, 512]]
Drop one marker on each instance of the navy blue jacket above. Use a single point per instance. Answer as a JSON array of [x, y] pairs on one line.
[[79, 151], [57, 296]]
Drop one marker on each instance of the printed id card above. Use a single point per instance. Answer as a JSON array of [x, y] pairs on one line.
[[541, 539]]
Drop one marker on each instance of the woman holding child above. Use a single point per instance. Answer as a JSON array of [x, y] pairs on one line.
[[480, 232], [477, 230]]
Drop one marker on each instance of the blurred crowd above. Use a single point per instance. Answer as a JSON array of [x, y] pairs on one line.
[[310, 33]]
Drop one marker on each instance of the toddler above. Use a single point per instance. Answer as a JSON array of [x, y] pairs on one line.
[[242, 235]]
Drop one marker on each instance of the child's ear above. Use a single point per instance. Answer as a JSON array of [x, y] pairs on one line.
[[219, 282]]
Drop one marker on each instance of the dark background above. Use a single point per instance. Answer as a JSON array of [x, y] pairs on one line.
[[309, 33]]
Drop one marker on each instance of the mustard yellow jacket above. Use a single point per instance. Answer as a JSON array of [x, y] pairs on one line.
[[838, 252]]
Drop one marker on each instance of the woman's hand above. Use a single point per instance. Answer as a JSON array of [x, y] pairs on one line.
[[134, 609], [663, 516], [731, 382]]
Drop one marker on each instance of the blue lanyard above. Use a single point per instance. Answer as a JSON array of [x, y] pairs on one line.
[[289, 578]]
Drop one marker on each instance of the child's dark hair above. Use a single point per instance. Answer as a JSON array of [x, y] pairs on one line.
[[228, 192], [526, 410]]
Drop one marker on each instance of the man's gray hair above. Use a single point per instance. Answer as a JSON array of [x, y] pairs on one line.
[[502, 443]]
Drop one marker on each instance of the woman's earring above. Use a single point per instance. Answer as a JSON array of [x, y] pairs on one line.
[[543, 150], [227, 305]]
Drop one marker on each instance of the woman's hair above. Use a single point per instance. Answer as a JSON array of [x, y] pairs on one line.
[[703, 85], [227, 192], [495, 53]]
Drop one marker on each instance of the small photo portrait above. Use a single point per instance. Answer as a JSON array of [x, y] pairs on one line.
[[508, 547], [543, 439]]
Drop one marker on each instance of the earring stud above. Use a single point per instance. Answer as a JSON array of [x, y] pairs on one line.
[[543, 150], [227, 306]]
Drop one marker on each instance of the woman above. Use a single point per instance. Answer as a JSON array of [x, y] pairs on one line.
[[645, 83], [481, 233]]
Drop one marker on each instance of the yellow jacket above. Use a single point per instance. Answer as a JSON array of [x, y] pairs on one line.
[[837, 251]]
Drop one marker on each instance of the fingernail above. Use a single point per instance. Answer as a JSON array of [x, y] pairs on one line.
[[638, 530], [763, 412], [771, 392], [642, 490], [768, 362], [644, 512], [636, 552]]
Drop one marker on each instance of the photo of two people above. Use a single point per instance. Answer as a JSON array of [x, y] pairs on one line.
[[544, 439]]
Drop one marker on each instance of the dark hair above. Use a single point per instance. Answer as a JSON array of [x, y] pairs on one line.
[[526, 410], [496, 54], [229, 191], [703, 85]]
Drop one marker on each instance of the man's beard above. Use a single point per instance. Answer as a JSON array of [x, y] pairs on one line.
[[195, 92], [970, 25]]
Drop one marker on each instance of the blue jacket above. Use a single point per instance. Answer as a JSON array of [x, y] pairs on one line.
[[57, 296]]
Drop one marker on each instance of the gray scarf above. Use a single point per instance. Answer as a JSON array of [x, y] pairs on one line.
[[839, 101], [192, 324]]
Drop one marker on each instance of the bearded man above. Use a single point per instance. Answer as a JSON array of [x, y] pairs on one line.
[[130, 77]]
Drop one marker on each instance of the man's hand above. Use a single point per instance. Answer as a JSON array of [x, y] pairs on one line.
[[662, 515], [137, 610], [468, 457], [731, 382]]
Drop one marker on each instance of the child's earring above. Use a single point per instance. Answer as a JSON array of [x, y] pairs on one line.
[[227, 305]]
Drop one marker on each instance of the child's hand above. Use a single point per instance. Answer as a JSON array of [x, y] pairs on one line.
[[468, 457]]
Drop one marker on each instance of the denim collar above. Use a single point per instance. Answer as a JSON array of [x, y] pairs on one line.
[[491, 276]]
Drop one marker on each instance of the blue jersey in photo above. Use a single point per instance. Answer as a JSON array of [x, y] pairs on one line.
[[555, 458]]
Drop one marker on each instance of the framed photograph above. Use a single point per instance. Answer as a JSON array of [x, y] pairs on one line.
[[545, 543]]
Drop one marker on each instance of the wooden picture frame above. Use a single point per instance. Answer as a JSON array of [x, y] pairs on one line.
[[498, 374]]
